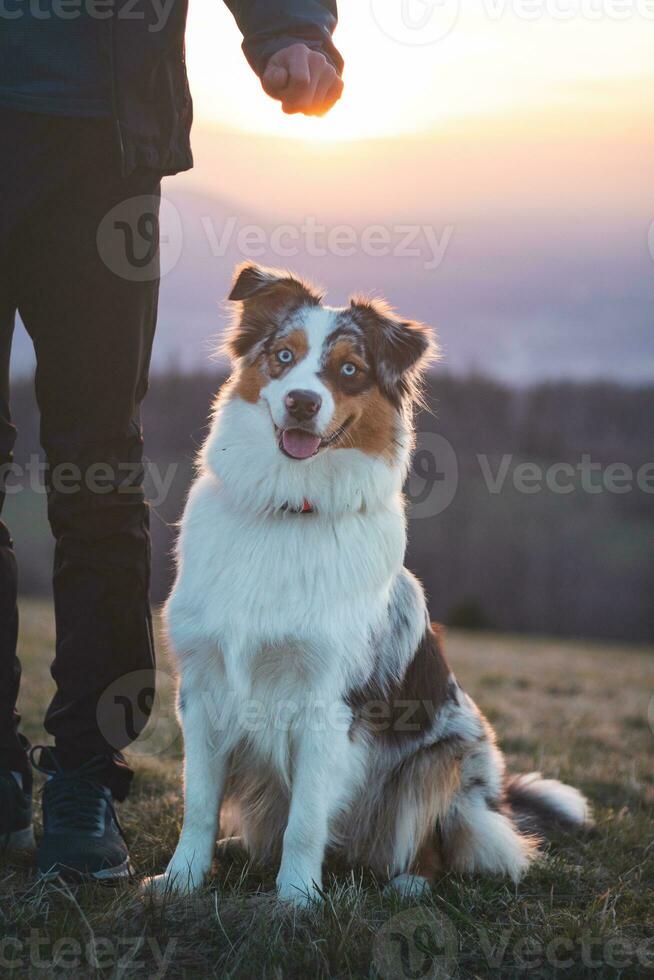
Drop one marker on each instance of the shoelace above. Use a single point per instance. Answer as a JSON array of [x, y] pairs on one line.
[[75, 798]]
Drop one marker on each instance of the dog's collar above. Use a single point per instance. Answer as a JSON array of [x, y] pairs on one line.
[[306, 508]]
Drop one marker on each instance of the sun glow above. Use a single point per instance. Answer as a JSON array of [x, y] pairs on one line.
[[491, 59]]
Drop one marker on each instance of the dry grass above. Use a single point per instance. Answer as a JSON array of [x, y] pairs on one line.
[[575, 710]]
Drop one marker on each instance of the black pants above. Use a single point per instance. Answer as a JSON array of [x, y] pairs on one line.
[[88, 298]]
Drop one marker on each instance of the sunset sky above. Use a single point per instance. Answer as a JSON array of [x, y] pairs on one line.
[[525, 147], [546, 105], [443, 64]]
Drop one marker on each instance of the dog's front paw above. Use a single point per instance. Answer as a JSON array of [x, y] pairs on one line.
[[408, 886], [302, 891], [171, 884]]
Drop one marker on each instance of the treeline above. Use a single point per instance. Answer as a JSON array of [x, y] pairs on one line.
[[531, 509]]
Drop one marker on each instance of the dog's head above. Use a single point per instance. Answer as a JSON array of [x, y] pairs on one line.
[[330, 379]]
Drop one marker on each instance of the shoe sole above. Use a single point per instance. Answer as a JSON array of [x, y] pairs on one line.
[[20, 840], [106, 875]]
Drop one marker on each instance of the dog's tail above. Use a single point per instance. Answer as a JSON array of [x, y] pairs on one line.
[[539, 805]]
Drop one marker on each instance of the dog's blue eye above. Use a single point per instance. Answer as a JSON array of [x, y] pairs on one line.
[[349, 369], [285, 356]]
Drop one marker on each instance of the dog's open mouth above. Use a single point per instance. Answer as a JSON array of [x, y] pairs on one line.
[[300, 444]]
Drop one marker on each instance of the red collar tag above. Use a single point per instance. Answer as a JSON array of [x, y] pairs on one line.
[[306, 508]]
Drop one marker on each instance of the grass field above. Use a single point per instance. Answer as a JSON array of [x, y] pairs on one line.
[[576, 710]]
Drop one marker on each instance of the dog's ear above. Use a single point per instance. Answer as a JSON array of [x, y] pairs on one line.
[[267, 297], [401, 349]]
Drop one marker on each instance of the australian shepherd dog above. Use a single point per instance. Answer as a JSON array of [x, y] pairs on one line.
[[318, 710]]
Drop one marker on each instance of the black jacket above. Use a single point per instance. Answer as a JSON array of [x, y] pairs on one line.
[[151, 100]]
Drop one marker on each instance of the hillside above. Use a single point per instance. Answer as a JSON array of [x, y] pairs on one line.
[[578, 711]]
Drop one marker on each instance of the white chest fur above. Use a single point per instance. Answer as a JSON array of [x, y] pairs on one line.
[[281, 580], [252, 574]]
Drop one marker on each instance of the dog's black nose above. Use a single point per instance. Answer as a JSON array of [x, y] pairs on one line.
[[302, 405]]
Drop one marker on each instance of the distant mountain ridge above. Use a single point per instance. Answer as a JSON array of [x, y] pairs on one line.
[[569, 303]]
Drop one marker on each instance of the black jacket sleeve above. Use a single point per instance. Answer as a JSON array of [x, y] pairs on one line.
[[268, 26]]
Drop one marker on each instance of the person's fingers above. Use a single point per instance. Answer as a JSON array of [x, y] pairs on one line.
[[311, 100], [320, 92], [335, 91], [302, 103], [287, 72], [275, 79], [328, 92], [303, 80], [299, 73]]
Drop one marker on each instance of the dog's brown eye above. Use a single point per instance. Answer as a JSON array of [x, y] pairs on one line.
[[349, 369], [284, 356]]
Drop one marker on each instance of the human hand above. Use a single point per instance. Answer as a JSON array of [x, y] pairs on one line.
[[302, 80]]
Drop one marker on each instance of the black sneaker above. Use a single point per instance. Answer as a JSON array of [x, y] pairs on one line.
[[82, 838], [16, 831]]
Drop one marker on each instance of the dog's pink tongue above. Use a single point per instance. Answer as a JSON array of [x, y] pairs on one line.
[[299, 444]]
